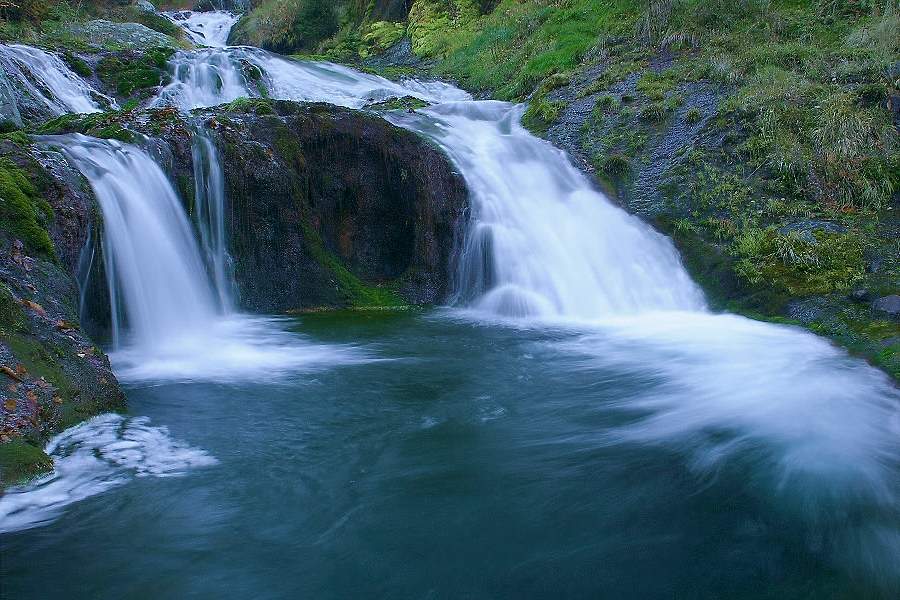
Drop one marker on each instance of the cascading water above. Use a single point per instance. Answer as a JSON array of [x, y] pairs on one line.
[[157, 279], [209, 28], [543, 243], [171, 309], [47, 79], [209, 205], [545, 248], [210, 77], [804, 436], [203, 78]]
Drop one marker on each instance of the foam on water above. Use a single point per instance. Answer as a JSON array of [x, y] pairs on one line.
[[91, 458], [233, 348]]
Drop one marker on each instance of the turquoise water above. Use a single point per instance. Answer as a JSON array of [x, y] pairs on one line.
[[468, 461]]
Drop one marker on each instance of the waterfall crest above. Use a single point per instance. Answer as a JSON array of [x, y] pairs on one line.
[[210, 28]]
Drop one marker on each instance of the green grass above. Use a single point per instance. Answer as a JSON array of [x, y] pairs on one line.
[[518, 45]]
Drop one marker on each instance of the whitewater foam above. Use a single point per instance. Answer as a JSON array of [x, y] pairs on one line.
[[91, 458]]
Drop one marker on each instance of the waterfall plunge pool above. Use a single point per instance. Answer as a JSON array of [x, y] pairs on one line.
[[486, 461]]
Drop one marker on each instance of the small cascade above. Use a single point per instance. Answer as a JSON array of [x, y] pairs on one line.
[[171, 310], [209, 215], [158, 284], [204, 78], [542, 241], [209, 77], [209, 28], [49, 81]]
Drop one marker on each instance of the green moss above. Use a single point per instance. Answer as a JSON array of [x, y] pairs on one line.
[[615, 166], [404, 103], [24, 214], [356, 293], [107, 125], [656, 86], [12, 318], [131, 74], [379, 36], [260, 106], [20, 461], [541, 113], [77, 65], [41, 360]]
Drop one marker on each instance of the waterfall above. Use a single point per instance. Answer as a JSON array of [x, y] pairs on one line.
[[209, 208], [171, 310], [49, 81], [158, 284], [542, 242], [209, 28], [204, 78]]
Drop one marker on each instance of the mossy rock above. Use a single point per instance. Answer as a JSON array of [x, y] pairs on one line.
[[24, 214], [129, 72], [109, 125], [404, 103], [20, 461]]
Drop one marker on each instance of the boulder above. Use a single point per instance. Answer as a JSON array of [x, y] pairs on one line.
[[889, 305], [120, 36]]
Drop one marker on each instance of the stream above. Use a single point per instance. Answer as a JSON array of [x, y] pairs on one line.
[[577, 423]]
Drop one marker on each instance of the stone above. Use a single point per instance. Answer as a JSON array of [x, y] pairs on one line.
[[120, 36], [889, 305], [146, 6]]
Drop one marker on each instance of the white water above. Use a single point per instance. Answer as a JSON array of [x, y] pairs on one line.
[[157, 279], [210, 77], [209, 28], [209, 215], [816, 430], [47, 79], [171, 310], [93, 457], [542, 242]]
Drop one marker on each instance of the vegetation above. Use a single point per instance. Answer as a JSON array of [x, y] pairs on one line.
[[20, 460], [134, 72], [356, 293], [47, 22], [24, 213]]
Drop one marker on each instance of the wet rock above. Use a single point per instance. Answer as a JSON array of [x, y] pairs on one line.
[[120, 36], [9, 109], [862, 295], [806, 229], [889, 305], [146, 6], [52, 373]]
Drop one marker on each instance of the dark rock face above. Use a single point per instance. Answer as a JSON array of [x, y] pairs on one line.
[[308, 184], [327, 207]]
